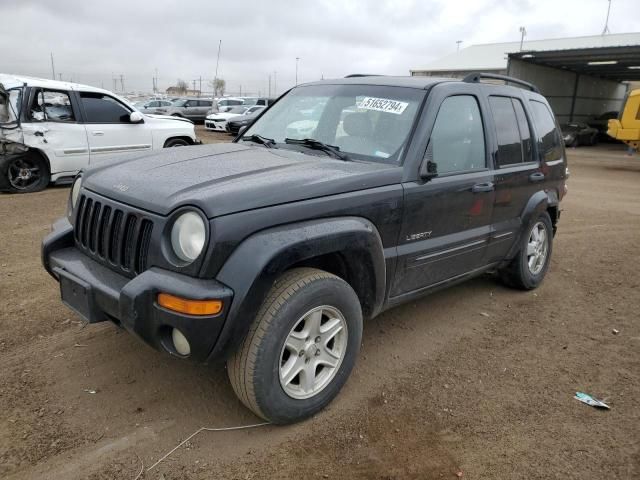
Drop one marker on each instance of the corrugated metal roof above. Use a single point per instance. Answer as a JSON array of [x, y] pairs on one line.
[[494, 56]]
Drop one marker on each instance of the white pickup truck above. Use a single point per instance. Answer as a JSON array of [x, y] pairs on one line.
[[49, 130]]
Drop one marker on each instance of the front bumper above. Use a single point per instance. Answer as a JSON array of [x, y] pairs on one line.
[[131, 303], [218, 126]]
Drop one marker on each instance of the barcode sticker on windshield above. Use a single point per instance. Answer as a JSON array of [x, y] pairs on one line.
[[383, 105]]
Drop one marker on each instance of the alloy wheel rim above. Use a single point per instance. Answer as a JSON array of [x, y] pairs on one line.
[[537, 248], [22, 174], [313, 352]]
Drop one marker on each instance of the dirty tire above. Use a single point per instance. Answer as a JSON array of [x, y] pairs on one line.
[[518, 274], [176, 142], [254, 369], [14, 170]]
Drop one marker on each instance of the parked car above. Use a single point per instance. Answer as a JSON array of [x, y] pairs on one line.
[[194, 109], [265, 102], [227, 103], [270, 252], [236, 123], [49, 130], [152, 106], [218, 121], [576, 134]]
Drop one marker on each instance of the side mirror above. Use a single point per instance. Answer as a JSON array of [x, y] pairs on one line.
[[136, 117], [429, 168]]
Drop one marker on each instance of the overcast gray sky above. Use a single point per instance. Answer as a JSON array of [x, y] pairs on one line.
[[93, 40]]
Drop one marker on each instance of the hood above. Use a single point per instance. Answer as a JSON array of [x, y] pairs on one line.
[[168, 117], [227, 178]]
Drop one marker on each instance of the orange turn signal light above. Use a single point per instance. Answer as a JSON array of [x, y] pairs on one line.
[[190, 307]]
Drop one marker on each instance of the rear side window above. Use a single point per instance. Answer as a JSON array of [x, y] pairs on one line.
[[548, 138], [204, 103], [508, 134], [457, 139], [101, 108], [525, 130]]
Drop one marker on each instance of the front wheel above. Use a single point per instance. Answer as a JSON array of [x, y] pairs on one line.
[[26, 173], [527, 270], [176, 142], [301, 347]]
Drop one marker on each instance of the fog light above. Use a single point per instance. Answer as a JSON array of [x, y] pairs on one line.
[[180, 342]]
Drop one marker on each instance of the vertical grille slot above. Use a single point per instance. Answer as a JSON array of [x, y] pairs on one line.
[[126, 252], [93, 226], [79, 217], [114, 236], [103, 231], [142, 246], [84, 227]]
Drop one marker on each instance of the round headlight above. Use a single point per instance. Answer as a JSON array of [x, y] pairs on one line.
[[75, 191], [187, 236]]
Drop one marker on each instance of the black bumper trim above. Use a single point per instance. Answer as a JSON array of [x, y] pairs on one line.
[[132, 302]]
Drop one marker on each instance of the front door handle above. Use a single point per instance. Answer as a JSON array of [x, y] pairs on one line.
[[483, 187], [97, 133], [536, 177]]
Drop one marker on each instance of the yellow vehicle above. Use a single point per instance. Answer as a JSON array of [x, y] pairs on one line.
[[627, 127]]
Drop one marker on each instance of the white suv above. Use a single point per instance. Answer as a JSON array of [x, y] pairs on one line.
[[49, 130]]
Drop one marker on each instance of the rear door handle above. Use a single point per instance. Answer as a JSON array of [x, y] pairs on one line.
[[482, 187], [536, 177], [97, 133]]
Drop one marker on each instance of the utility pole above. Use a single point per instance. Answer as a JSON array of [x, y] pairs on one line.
[[200, 87], [122, 82], [269, 86], [53, 68], [240, 90], [115, 83], [297, 60], [275, 84], [523, 33], [60, 76], [606, 23], [458, 42], [215, 78], [194, 85]]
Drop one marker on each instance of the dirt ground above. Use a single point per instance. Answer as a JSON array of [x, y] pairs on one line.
[[476, 381]]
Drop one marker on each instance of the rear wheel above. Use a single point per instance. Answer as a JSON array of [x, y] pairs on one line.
[[527, 270], [27, 173], [301, 347]]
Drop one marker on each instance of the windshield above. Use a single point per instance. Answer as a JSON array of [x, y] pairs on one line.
[[10, 110], [367, 122]]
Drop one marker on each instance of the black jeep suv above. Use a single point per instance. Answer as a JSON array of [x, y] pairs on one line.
[[269, 252]]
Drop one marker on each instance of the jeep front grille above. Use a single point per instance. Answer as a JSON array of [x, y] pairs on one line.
[[113, 235]]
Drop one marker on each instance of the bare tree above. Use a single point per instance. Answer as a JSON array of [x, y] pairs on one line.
[[219, 86], [182, 87]]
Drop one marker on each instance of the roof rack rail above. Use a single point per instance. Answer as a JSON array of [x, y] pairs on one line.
[[477, 76], [356, 75]]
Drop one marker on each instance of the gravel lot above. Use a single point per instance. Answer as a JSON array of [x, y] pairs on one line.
[[475, 381]]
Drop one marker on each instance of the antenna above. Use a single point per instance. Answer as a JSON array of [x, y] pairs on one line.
[[606, 22], [523, 33]]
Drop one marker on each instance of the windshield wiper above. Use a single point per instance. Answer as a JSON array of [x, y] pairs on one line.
[[318, 145], [267, 142]]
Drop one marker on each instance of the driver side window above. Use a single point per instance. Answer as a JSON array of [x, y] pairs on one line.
[[457, 139]]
